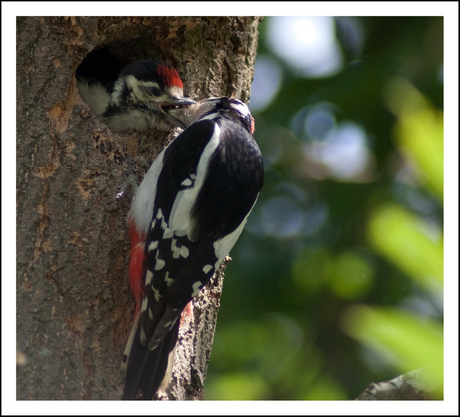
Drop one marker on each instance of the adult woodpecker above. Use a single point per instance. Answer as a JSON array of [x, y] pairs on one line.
[[147, 94], [187, 214]]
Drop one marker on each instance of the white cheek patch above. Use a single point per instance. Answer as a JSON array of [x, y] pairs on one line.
[[241, 108], [140, 89], [149, 84], [117, 90], [131, 81], [133, 84]]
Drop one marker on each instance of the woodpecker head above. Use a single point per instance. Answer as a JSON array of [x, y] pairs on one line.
[[148, 94], [230, 108]]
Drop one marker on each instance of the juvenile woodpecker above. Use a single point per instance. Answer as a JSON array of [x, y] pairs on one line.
[[147, 94], [187, 214]]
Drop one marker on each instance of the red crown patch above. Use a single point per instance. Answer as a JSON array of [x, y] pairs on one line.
[[169, 76]]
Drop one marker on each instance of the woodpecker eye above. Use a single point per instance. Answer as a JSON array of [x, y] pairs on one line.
[[155, 91]]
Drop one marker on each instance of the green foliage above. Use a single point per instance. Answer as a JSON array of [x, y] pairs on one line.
[[410, 243], [399, 336], [419, 131], [337, 280]]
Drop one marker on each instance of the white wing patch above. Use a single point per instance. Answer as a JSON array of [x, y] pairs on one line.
[[142, 333], [207, 268], [180, 219], [196, 288], [179, 251], [153, 245], [148, 277], [187, 182], [169, 281], [159, 264], [142, 206], [156, 293]]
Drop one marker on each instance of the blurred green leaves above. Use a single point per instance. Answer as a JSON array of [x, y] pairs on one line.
[[410, 342], [419, 132], [337, 280], [353, 276], [411, 243], [348, 275], [271, 350], [238, 386]]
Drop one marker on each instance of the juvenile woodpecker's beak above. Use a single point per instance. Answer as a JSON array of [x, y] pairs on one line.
[[175, 108]]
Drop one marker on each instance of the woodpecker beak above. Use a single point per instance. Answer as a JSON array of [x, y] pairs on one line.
[[175, 108]]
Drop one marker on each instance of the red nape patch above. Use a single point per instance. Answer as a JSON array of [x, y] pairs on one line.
[[253, 125], [169, 76]]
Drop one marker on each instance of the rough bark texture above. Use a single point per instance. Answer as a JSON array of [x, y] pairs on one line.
[[75, 181], [415, 385]]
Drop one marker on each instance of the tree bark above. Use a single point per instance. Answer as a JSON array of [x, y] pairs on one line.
[[415, 385], [75, 181]]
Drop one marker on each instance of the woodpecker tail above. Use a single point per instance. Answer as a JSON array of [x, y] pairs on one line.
[[147, 371]]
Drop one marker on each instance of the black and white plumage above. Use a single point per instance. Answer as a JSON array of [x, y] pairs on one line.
[[189, 210], [147, 94]]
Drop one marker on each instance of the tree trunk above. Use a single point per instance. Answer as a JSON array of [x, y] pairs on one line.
[[75, 181]]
